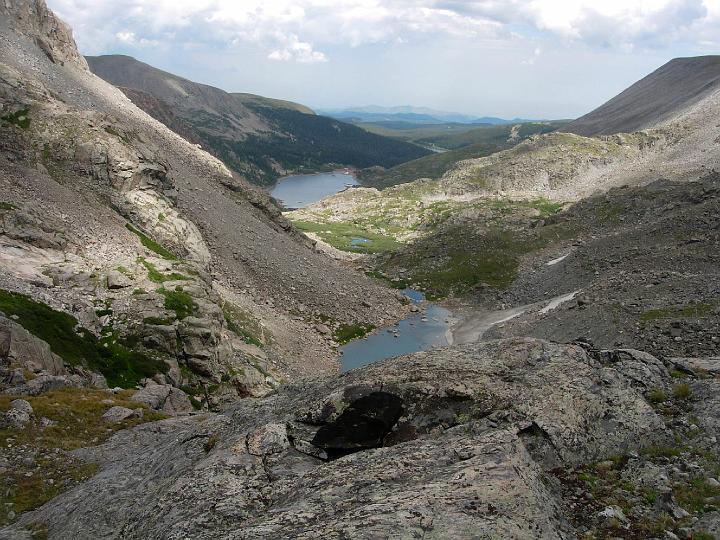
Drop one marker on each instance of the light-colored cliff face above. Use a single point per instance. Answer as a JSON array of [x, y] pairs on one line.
[[53, 36]]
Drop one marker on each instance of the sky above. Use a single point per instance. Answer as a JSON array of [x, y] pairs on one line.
[[507, 58]]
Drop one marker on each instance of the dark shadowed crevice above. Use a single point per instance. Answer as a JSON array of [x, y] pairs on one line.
[[539, 445], [362, 425]]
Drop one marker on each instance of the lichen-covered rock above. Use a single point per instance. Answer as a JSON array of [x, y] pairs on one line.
[[268, 439], [453, 443], [19, 414]]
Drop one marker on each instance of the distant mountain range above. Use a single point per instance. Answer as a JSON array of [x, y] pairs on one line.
[[419, 115]]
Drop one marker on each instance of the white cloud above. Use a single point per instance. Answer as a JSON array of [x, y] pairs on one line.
[[125, 37], [129, 38], [298, 51], [317, 25]]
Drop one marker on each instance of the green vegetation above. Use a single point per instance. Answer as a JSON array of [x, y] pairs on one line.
[[656, 451], [689, 311], [238, 322], [113, 357], [157, 321], [347, 332], [151, 244], [695, 495], [492, 135], [415, 132], [7, 206], [78, 416], [19, 118], [349, 237], [316, 143], [121, 364], [211, 442], [459, 259], [681, 391], [78, 413], [178, 301], [657, 395], [33, 488], [115, 133], [55, 327], [156, 276]]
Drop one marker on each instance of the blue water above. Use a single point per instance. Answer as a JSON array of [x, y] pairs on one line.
[[304, 189], [417, 332], [357, 241]]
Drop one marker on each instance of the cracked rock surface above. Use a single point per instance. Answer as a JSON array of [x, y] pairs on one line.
[[458, 443]]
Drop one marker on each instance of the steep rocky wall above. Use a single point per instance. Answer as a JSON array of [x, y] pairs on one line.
[[52, 36]]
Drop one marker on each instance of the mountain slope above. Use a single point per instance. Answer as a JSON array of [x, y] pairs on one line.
[[147, 242], [260, 138], [474, 144], [654, 99]]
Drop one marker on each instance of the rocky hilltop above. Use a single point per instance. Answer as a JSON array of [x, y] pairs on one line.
[[655, 99], [437, 444]]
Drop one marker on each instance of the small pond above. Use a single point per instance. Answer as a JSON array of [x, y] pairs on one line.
[[417, 332]]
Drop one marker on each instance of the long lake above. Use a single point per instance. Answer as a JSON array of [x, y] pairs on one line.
[[304, 189]]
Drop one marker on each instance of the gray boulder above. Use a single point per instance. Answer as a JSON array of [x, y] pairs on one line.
[[118, 414], [19, 414], [164, 397], [117, 280], [45, 383], [27, 351]]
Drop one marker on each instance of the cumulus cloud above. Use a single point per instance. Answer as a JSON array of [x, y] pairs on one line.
[[304, 30], [298, 51], [129, 38]]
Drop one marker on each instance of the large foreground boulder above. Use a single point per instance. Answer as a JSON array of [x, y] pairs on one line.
[[451, 443]]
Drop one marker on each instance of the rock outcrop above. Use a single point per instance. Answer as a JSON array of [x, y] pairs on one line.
[[459, 442]]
